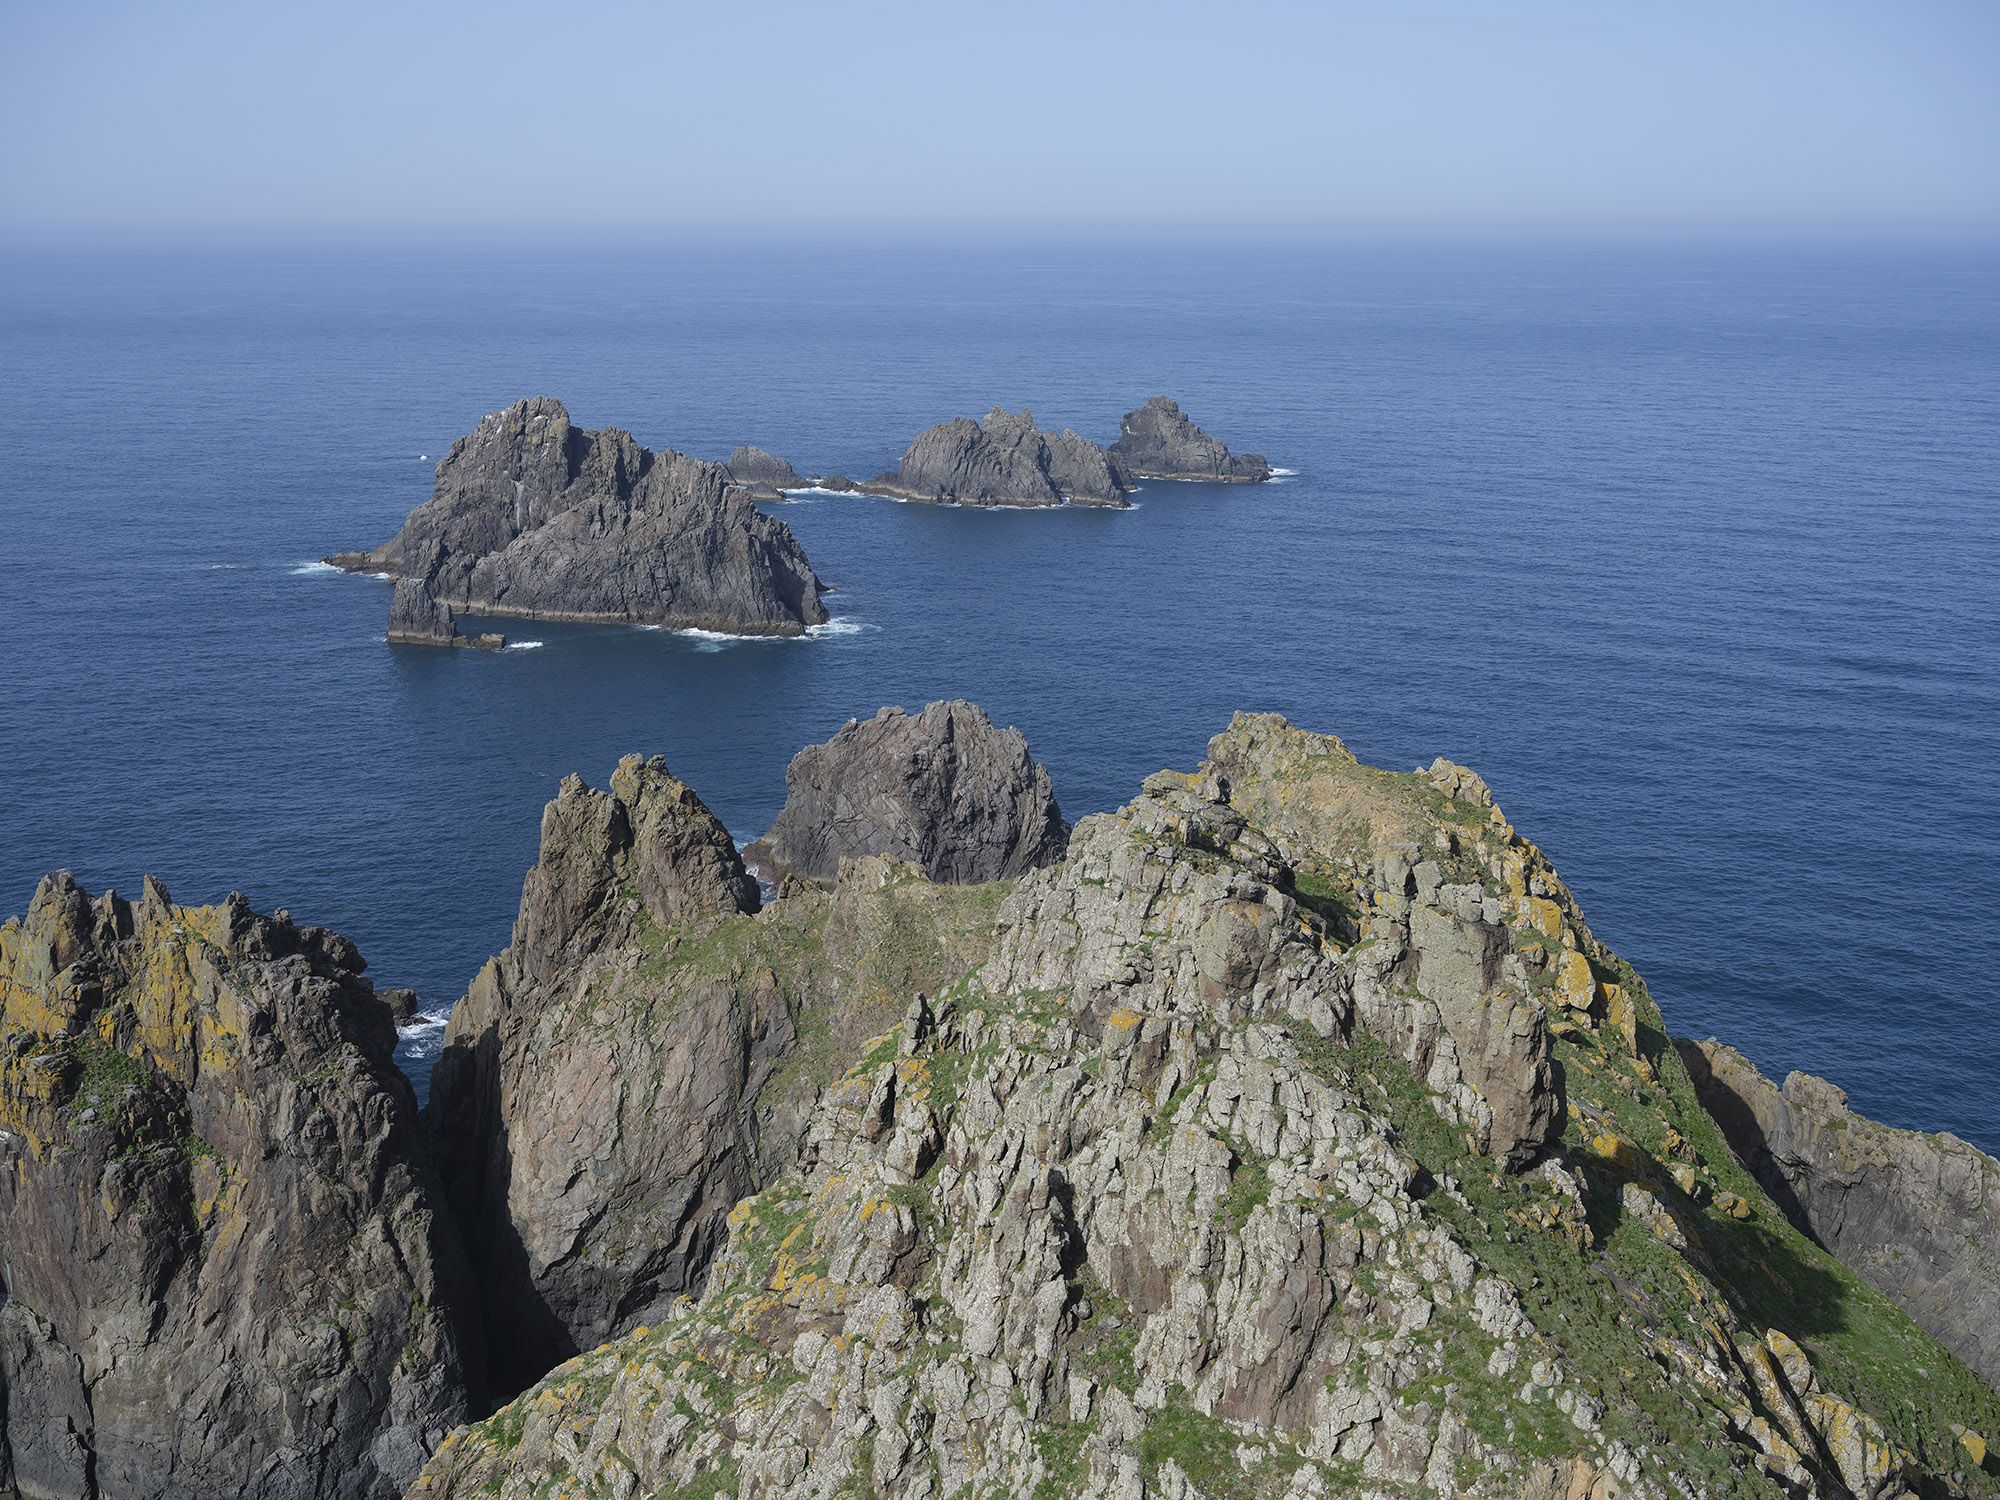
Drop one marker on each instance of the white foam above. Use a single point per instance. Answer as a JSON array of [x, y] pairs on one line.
[[525, 645], [228, 567], [839, 625], [1283, 473], [424, 1022], [314, 569]]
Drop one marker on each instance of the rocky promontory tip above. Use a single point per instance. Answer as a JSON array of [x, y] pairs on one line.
[[1159, 441], [944, 790], [1004, 460], [534, 517]]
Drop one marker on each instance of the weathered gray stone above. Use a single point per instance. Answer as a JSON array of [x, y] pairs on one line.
[[1004, 460]]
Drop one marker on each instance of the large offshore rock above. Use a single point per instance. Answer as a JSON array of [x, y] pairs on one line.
[[533, 516], [1917, 1214], [1003, 460], [1188, 1191], [644, 1052], [943, 789], [228, 1271], [1159, 441]]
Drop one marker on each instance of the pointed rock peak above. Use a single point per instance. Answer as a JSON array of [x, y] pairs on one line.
[[650, 837]]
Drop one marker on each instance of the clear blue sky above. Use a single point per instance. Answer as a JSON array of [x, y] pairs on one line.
[[206, 119]]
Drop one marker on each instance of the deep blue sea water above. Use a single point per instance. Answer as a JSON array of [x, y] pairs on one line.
[[1692, 554]]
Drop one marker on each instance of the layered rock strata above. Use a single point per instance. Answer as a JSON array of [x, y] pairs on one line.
[[227, 1273], [534, 517], [943, 789]]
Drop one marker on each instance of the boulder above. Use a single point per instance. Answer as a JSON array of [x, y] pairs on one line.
[[943, 789], [764, 475], [1158, 441]]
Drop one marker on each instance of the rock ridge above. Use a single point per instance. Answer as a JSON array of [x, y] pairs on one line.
[[1004, 459]]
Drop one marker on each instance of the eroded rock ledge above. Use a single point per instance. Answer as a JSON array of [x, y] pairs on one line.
[[534, 517], [1291, 1136]]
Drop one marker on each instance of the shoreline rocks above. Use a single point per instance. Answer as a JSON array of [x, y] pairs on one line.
[[535, 518], [1158, 441], [942, 789]]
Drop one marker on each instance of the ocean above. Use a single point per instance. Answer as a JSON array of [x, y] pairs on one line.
[[1691, 553]]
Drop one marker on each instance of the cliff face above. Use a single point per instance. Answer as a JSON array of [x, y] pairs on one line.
[[1004, 460], [641, 1055], [1159, 441], [943, 790], [532, 516], [226, 1274], [1915, 1214], [1296, 1137]]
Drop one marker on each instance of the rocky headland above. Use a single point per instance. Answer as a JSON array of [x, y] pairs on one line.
[[943, 790], [1003, 460], [1159, 441], [534, 517], [1287, 1132], [1291, 1135]]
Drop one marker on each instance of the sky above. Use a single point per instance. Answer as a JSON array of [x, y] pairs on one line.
[[210, 119]]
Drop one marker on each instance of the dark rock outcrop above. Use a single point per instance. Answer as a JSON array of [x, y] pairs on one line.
[[537, 518], [1158, 441], [636, 1061], [228, 1273], [943, 790], [764, 475], [1918, 1215], [1004, 460]]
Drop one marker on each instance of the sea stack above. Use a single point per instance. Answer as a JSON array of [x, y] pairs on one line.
[[537, 518], [1003, 460], [1158, 441], [944, 790]]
